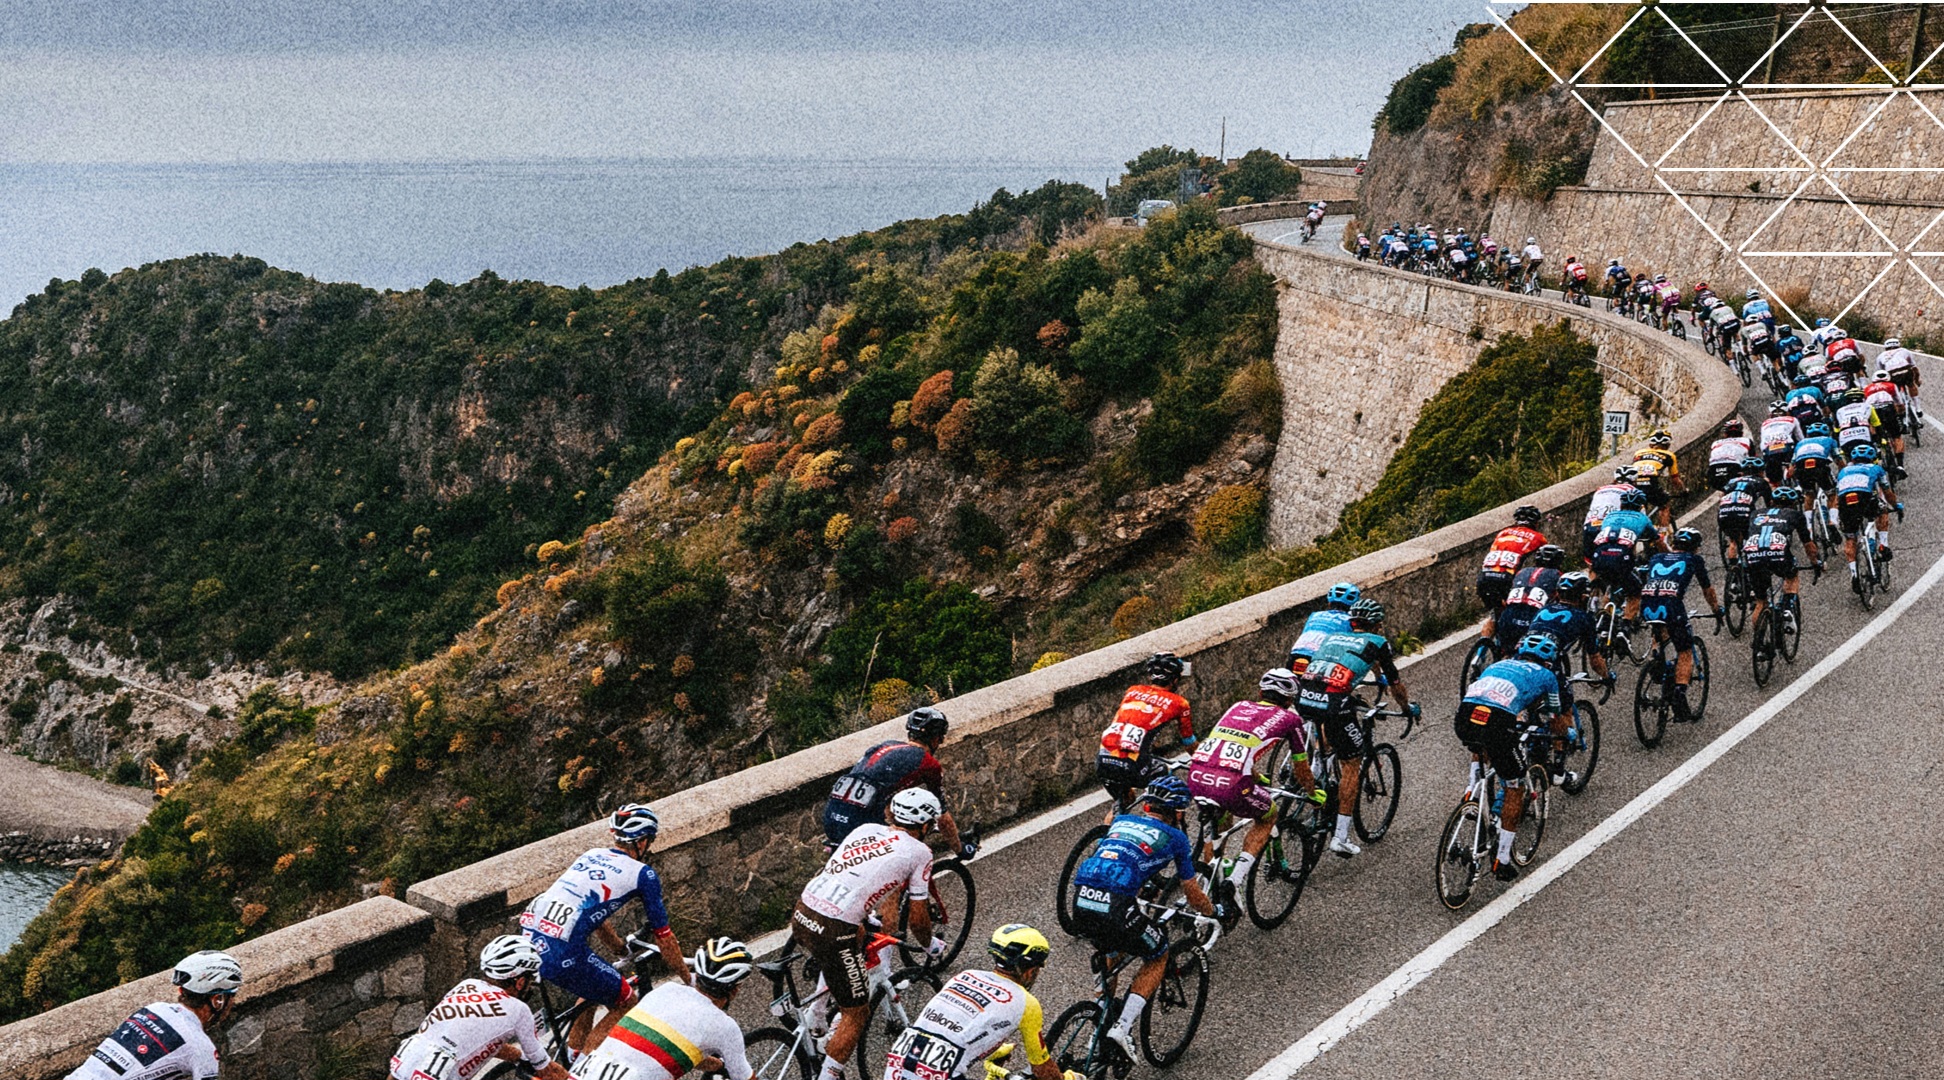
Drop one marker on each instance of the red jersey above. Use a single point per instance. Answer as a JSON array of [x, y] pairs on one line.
[[1142, 711], [1510, 548], [1842, 346]]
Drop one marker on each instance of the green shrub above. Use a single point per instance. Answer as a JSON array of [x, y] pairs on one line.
[[1018, 413], [1413, 96], [1118, 339], [1261, 176], [975, 536], [1187, 423], [936, 635], [1232, 521]]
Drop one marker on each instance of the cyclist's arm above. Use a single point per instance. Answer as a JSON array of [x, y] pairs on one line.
[[1391, 678], [1032, 1037], [948, 828], [734, 1060], [655, 912], [918, 887]]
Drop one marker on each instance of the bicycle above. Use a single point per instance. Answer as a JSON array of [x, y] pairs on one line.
[[1090, 840], [1654, 690], [1735, 593], [1274, 867], [554, 1022], [1582, 743], [1379, 784], [1469, 841], [1738, 363], [1481, 656], [1610, 631], [1872, 573], [954, 900], [1776, 631], [796, 1046], [1820, 512], [1078, 1039]]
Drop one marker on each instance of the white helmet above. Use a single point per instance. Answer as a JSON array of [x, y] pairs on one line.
[[635, 821], [209, 972], [1892, 343], [915, 806], [1881, 373], [723, 962], [1532, 239], [507, 957]]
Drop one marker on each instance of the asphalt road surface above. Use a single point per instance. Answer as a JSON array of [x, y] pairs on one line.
[[1773, 914]]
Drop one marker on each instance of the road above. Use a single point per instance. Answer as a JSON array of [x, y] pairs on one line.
[[1768, 911]]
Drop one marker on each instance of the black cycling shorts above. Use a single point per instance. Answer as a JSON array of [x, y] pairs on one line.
[[1493, 732], [1123, 777], [1765, 565], [1855, 508], [1674, 614], [1720, 472], [1493, 589], [1615, 570], [1115, 923], [1813, 473], [1339, 725], [1656, 495], [1889, 423], [1733, 525], [1774, 464]]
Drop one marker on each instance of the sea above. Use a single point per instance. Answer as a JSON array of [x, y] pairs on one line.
[[397, 226], [24, 891]]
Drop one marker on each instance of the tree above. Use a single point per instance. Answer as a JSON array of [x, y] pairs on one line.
[[1261, 176], [1118, 338], [1018, 413]]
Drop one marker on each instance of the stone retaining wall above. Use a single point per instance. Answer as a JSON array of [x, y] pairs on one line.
[[21, 847], [735, 851]]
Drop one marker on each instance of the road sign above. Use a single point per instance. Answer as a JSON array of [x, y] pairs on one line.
[[1616, 422]]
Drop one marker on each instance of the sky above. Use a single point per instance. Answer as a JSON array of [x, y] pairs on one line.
[[143, 81]]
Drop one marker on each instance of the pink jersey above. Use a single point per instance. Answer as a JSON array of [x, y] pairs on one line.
[[1246, 731]]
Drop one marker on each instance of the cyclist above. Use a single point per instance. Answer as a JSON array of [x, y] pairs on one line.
[[1885, 399], [1341, 662], [1533, 258], [1503, 559], [1669, 295], [1363, 247], [870, 867], [1738, 505], [1758, 338], [1532, 588], [1727, 325], [1823, 334], [977, 1011], [1108, 884], [1124, 763], [1616, 279], [1488, 723], [1658, 473], [1813, 468], [1606, 499], [1333, 619], [1863, 492], [1225, 770], [1662, 599], [1854, 428], [1618, 546], [860, 795], [1567, 622], [678, 1028], [1790, 347], [1573, 278], [1726, 453], [1844, 353], [481, 1021], [1757, 309], [167, 1040], [1902, 366], [1805, 401], [1780, 433], [578, 905], [1769, 551]]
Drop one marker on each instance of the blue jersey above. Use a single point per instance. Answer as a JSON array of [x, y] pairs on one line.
[[1803, 393], [1617, 273], [1821, 449], [1515, 686], [589, 893], [1862, 478], [1319, 625], [1571, 626], [1756, 309], [1668, 576], [1624, 529], [1136, 848]]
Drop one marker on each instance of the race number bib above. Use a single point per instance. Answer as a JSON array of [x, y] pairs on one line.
[[598, 1067], [854, 790], [925, 1055]]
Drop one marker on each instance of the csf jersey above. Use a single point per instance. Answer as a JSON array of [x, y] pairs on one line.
[[589, 893], [163, 1041], [1246, 731], [1319, 625], [1510, 548], [1135, 848], [873, 862], [458, 1037], [969, 1018], [860, 796], [1514, 686], [1144, 710]]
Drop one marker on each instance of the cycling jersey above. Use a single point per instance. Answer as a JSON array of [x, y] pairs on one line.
[[1780, 434], [1617, 273], [1881, 395], [1724, 319], [457, 1039], [1739, 496], [1577, 272], [1510, 548], [1533, 255], [1568, 624], [1224, 768], [1319, 625], [1669, 294], [1605, 500], [1668, 463], [666, 1035], [1136, 848], [1533, 587], [1343, 660], [1513, 686], [873, 862], [1899, 362], [1143, 710], [1822, 336], [1757, 335], [860, 796], [965, 1021], [1624, 531], [1730, 450], [1814, 452], [1866, 477], [1667, 577], [163, 1041], [1755, 309], [590, 892]]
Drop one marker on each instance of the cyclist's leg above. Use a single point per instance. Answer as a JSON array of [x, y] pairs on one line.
[[586, 975], [1139, 936], [1347, 735]]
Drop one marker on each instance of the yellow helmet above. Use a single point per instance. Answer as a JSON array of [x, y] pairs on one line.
[[1018, 947]]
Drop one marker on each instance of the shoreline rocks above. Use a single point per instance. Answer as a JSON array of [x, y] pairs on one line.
[[74, 851]]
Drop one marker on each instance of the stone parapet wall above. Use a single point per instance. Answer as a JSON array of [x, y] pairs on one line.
[[735, 851]]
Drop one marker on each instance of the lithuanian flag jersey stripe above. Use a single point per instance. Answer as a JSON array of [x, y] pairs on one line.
[[659, 1041]]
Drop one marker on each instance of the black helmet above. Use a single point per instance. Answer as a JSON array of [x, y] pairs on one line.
[[1733, 427], [926, 724], [1526, 515], [1366, 612], [1163, 669], [1573, 586], [1551, 556], [1687, 540]]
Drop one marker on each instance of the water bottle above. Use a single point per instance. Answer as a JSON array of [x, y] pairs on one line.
[[1498, 801]]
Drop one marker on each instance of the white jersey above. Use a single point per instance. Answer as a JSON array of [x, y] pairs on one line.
[[1896, 359], [1605, 501], [1853, 414], [1822, 337], [665, 1035], [1533, 254], [1780, 433], [457, 1038], [966, 1020], [1730, 450], [164, 1041], [869, 865]]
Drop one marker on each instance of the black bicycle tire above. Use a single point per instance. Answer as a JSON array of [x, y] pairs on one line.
[[1371, 833], [1272, 863], [915, 955], [1532, 821], [1463, 816], [861, 1053], [1064, 898], [1741, 604], [1477, 659], [1587, 718], [1865, 575], [1762, 668], [1703, 673], [1708, 344], [1091, 1061], [1185, 960], [785, 1040], [1652, 677]]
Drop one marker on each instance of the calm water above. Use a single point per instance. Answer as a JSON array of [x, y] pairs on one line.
[[398, 226], [24, 890]]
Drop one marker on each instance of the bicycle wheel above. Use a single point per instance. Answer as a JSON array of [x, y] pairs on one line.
[[1650, 703], [1789, 633], [1477, 660], [1077, 1041], [774, 1055], [1698, 682], [1081, 849], [1277, 877], [913, 978], [1532, 823], [1763, 647], [1583, 749], [1865, 574], [954, 900], [1378, 790], [1680, 331], [1169, 1023], [1736, 599], [1884, 570], [1460, 848], [1708, 343]]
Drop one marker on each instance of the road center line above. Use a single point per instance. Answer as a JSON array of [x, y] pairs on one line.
[[1420, 967]]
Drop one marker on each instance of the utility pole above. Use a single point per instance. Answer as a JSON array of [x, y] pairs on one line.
[[1775, 35], [1221, 152]]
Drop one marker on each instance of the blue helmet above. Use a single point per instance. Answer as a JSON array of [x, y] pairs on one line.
[[1786, 496], [1820, 323], [1633, 499], [1343, 594], [1866, 452], [1168, 792], [1817, 431], [634, 821], [1539, 648]]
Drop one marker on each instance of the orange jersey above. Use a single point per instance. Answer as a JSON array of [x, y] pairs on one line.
[[1510, 547], [1142, 710]]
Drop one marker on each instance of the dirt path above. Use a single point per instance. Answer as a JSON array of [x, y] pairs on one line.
[[47, 802]]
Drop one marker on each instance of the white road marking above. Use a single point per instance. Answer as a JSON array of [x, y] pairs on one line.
[[1420, 967]]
